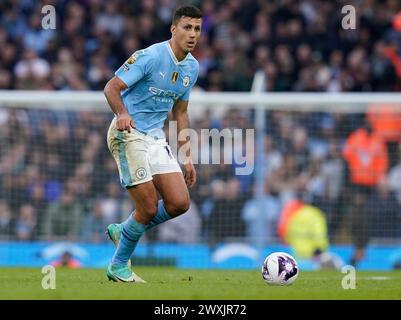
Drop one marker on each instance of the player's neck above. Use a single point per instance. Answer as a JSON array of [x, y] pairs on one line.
[[179, 54]]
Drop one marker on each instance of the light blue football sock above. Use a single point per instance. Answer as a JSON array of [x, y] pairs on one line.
[[131, 233], [161, 216]]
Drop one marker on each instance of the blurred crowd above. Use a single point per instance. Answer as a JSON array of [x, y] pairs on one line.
[[58, 180], [300, 45]]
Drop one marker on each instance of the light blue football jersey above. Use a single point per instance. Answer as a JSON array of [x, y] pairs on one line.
[[155, 80]]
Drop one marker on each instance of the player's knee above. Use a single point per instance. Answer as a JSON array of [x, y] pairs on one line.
[[178, 207], [150, 209]]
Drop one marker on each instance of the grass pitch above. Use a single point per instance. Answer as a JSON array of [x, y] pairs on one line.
[[165, 283]]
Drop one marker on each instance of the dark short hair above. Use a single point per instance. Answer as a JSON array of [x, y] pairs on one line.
[[186, 11]]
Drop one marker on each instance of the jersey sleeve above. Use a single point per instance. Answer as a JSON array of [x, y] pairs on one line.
[[185, 96], [136, 67]]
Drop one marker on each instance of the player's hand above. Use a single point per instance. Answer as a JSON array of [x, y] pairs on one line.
[[124, 122], [189, 174]]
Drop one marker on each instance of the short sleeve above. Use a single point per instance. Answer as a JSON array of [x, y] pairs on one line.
[[136, 67]]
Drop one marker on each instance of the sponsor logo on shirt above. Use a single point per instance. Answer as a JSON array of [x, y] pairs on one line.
[[164, 93]]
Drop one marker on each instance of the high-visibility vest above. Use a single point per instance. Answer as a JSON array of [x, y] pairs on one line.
[[386, 121], [307, 231], [287, 213], [367, 158]]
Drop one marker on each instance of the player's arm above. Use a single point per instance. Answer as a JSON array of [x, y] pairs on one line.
[[180, 114], [112, 91], [133, 70]]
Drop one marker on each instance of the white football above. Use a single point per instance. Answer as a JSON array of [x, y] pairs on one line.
[[280, 268]]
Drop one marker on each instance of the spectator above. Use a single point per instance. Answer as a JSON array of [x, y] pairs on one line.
[[185, 229], [332, 202], [6, 222], [394, 177], [384, 213], [392, 53], [31, 71], [63, 218], [66, 260], [111, 20], [385, 120], [367, 162], [25, 227], [111, 204], [307, 231], [300, 148], [94, 224], [287, 180], [272, 158], [38, 201], [297, 44], [383, 73], [219, 225], [261, 217], [36, 37]]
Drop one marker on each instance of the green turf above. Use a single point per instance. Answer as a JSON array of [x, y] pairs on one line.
[[171, 283]]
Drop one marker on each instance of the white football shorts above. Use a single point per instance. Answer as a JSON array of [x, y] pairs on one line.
[[139, 156]]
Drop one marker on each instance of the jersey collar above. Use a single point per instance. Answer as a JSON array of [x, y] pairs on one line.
[[172, 55]]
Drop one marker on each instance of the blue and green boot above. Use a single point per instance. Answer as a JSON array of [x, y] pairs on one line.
[[122, 273], [114, 232]]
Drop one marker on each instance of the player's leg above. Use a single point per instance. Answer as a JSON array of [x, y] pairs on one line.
[[175, 201], [145, 198], [131, 154], [175, 197], [169, 182], [174, 192], [148, 213]]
